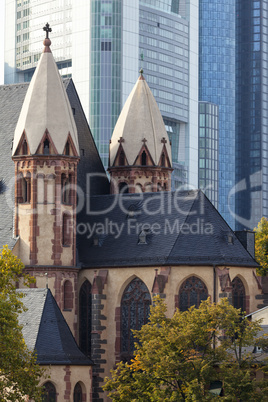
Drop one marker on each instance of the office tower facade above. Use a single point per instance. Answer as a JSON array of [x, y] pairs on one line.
[[217, 85], [208, 151], [102, 45], [251, 113]]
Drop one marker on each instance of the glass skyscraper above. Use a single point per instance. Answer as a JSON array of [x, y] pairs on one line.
[[251, 112], [102, 44], [217, 85]]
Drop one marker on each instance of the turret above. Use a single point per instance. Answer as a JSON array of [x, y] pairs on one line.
[[140, 150], [46, 154]]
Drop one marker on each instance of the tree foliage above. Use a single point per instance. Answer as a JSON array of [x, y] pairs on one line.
[[176, 359], [18, 369], [261, 246]]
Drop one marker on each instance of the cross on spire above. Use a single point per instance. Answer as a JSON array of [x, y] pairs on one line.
[[144, 140], [47, 29], [121, 139], [164, 141]]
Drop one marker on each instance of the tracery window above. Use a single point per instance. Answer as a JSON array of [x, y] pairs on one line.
[[135, 309], [85, 318], [49, 392], [78, 393], [191, 293], [238, 294]]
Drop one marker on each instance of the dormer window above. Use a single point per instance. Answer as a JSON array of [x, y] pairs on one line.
[[144, 158], [142, 237], [46, 147]]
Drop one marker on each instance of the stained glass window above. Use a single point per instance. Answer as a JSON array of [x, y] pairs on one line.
[[49, 393], [135, 308], [191, 293], [85, 318], [238, 294]]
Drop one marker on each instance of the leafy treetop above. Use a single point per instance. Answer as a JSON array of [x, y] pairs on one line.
[[176, 359], [261, 246], [19, 372]]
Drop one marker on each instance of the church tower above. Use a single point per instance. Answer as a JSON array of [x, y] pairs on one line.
[[140, 151], [46, 155]]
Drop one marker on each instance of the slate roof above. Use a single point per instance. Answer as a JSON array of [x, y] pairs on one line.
[[46, 331], [184, 228], [11, 100]]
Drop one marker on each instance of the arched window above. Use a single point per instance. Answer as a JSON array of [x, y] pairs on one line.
[[65, 189], [85, 318], [67, 295], [121, 159], [46, 147], [67, 149], [78, 393], [26, 188], [49, 392], [238, 294], [25, 148], [191, 293], [144, 158], [135, 308], [66, 230], [163, 159], [123, 187]]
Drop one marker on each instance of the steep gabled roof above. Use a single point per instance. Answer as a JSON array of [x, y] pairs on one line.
[[140, 119], [182, 228], [46, 331]]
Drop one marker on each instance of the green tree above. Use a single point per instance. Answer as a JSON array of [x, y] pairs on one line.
[[19, 372], [261, 246], [176, 359]]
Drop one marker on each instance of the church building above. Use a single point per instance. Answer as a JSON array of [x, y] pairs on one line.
[[101, 246]]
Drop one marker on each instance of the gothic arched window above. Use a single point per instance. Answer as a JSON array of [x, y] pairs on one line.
[[49, 392], [78, 393], [85, 318], [135, 309], [238, 294], [191, 293]]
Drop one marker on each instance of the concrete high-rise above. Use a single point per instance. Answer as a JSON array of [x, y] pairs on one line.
[[102, 45]]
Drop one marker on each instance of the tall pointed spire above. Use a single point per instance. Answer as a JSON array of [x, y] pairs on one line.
[[46, 107]]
